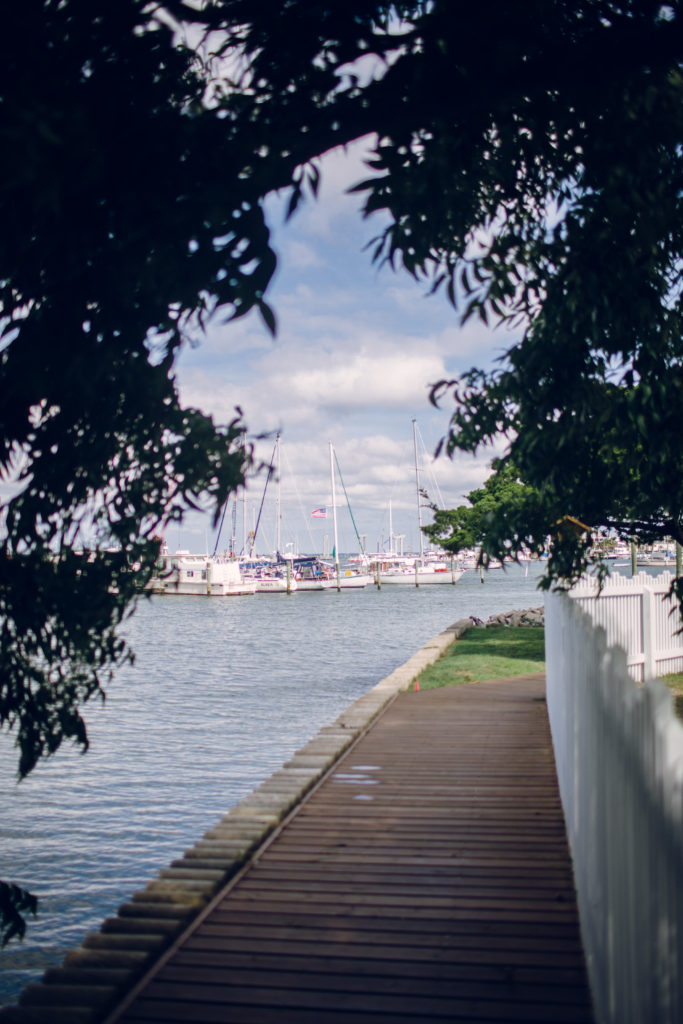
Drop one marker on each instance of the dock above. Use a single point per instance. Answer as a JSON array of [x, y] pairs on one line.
[[426, 877]]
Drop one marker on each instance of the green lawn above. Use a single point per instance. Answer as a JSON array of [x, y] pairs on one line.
[[675, 683], [501, 651], [492, 653]]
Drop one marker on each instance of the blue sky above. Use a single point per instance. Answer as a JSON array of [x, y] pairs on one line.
[[356, 350]]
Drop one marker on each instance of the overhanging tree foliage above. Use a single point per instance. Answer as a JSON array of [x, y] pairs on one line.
[[113, 236], [14, 903], [135, 166]]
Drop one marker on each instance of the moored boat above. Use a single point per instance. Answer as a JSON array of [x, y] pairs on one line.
[[352, 579], [275, 583], [191, 575], [311, 573], [348, 577], [270, 577], [393, 570]]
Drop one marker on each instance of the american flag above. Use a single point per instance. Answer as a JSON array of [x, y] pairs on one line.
[[319, 513]]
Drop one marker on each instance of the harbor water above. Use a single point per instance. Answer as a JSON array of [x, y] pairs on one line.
[[222, 692]]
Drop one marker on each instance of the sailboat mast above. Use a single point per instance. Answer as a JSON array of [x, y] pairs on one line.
[[277, 498], [391, 531], [417, 483], [245, 539], [245, 547], [233, 531], [334, 517]]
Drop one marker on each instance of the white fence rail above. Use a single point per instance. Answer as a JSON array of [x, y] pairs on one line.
[[637, 614], [619, 754]]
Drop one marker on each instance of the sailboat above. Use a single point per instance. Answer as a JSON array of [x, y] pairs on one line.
[[270, 576], [285, 572], [422, 570], [350, 578]]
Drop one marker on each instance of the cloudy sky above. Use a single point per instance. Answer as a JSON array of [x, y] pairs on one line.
[[356, 350]]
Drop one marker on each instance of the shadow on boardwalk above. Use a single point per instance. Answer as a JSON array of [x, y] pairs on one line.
[[426, 878]]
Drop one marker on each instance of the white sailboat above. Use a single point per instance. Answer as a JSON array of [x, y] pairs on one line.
[[349, 578], [270, 575]]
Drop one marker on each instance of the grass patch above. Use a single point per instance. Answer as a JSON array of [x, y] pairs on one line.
[[675, 683], [492, 653]]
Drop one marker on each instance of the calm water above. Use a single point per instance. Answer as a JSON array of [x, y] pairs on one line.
[[222, 693]]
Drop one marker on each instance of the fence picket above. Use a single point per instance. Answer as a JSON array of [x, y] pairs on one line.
[[638, 614]]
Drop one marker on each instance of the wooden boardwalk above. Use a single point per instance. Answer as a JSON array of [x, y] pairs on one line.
[[427, 878]]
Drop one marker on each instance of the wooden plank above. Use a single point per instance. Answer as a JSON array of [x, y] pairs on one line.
[[245, 923], [446, 985], [427, 878], [355, 964], [469, 936], [441, 999], [176, 1012], [511, 954]]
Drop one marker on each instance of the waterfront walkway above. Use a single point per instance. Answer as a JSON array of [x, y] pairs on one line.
[[427, 877]]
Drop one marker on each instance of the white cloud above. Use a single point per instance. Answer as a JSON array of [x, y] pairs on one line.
[[343, 382], [299, 255], [303, 383], [356, 352]]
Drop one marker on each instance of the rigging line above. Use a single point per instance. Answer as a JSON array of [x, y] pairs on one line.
[[427, 464], [233, 536], [348, 504], [292, 479], [225, 508], [218, 535], [263, 496]]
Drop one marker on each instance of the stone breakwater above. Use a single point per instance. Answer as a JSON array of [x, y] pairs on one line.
[[517, 617]]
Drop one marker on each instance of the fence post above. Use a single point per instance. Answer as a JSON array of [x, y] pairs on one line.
[[648, 627]]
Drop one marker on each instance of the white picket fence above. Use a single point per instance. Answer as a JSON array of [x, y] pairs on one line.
[[637, 614], [619, 754]]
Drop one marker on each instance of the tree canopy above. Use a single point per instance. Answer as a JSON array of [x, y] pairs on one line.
[[500, 519], [507, 518], [526, 160]]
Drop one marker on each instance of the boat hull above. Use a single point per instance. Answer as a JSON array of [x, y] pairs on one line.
[[186, 575], [274, 585], [321, 584], [200, 590], [421, 578], [354, 581]]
